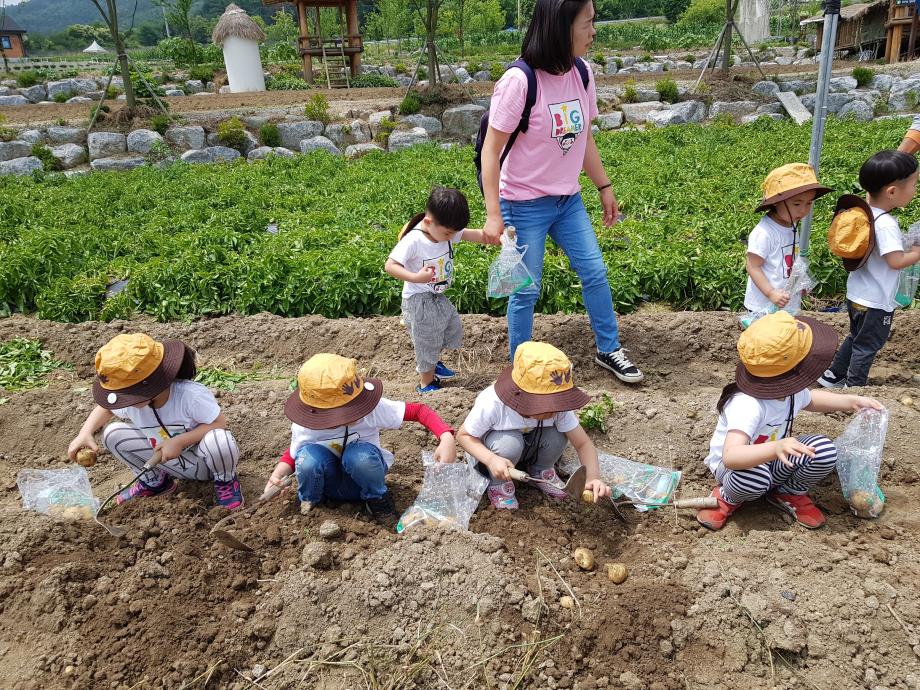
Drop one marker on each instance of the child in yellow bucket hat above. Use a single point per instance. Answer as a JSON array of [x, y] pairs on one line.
[[527, 417], [868, 238], [149, 384], [788, 194], [753, 452], [335, 450]]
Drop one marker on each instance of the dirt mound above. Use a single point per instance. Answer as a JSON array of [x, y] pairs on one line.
[[761, 604]]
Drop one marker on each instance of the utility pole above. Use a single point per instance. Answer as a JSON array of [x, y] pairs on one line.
[[165, 21], [518, 25]]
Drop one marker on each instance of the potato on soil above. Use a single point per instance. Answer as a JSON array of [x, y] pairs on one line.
[[617, 573], [584, 558], [86, 457]]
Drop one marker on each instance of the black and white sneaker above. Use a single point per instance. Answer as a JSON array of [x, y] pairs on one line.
[[619, 364], [830, 380], [382, 510]]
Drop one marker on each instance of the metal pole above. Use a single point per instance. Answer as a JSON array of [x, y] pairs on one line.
[[829, 40], [165, 21], [729, 20]]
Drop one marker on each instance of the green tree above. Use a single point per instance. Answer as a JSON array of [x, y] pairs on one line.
[[109, 12], [390, 20], [462, 17], [428, 12], [179, 16]]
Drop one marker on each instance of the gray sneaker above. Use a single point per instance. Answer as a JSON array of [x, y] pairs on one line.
[[830, 380], [619, 364]]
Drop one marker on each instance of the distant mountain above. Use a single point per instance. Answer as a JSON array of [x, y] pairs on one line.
[[51, 16]]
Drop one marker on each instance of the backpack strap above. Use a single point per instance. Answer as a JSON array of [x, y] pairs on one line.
[[583, 71], [529, 102]]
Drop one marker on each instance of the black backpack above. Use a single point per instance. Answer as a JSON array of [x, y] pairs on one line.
[[525, 114]]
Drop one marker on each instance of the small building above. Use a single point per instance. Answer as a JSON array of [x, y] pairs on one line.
[[94, 48], [240, 38], [12, 38], [900, 24], [861, 28]]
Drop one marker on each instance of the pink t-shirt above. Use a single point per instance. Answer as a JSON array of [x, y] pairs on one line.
[[548, 158]]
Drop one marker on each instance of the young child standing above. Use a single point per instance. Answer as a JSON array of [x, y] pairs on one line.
[[336, 416], [869, 239], [149, 384], [753, 452], [527, 418], [788, 194], [424, 260]]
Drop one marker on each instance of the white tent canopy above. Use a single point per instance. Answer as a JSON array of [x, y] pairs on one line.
[[95, 48]]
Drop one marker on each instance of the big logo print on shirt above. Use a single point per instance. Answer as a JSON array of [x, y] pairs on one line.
[[568, 122]]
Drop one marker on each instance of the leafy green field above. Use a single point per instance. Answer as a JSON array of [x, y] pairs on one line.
[[192, 240]]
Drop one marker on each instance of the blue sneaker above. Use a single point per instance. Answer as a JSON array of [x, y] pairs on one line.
[[228, 495], [432, 387], [442, 372], [140, 490]]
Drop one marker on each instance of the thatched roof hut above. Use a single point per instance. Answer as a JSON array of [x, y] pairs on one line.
[[235, 22]]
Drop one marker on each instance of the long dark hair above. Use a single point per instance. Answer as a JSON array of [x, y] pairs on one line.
[[548, 42], [727, 394], [187, 370]]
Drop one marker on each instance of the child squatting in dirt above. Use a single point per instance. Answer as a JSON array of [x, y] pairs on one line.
[[526, 418], [336, 416], [149, 383], [424, 260]]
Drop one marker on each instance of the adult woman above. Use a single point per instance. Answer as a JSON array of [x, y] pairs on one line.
[[537, 189]]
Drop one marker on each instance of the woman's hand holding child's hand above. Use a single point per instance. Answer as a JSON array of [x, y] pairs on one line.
[[282, 470], [447, 449], [499, 467], [792, 446], [81, 441], [598, 488], [861, 402], [779, 297]]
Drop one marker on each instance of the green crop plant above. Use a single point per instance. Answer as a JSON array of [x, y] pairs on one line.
[[25, 364]]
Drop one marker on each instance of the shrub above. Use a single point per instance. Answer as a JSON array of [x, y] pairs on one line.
[[702, 12], [232, 133], [159, 123], [667, 90], [26, 79], [43, 153], [411, 104], [645, 58], [672, 9], [422, 72], [113, 92], [287, 82], [269, 135], [599, 58], [99, 112], [318, 108], [630, 95], [6, 133], [689, 57], [63, 97], [369, 81], [496, 70], [400, 68], [619, 62], [863, 76], [880, 107], [159, 152], [204, 73], [384, 130]]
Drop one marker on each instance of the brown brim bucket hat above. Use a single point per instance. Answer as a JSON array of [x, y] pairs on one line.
[[132, 369], [539, 382], [331, 393], [782, 355], [788, 181]]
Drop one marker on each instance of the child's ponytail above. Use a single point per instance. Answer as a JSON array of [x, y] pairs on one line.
[[727, 394], [187, 370]]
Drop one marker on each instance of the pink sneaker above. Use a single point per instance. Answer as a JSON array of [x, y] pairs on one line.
[[557, 491], [140, 490], [502, 497]]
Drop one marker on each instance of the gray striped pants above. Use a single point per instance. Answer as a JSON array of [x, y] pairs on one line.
[[739, 486], [215, 457]]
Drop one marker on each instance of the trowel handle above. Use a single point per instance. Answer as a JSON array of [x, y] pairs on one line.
[[154, 460], [519, 475], [697, 503], [276, 489]]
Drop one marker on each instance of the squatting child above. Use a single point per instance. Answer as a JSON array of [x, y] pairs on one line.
[[424, 260]]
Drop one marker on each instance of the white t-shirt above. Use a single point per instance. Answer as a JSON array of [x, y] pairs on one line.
[[489, 413], [773, 243], [190, 404], [415, 251], [387, 415], [762, 420], [875, 284]]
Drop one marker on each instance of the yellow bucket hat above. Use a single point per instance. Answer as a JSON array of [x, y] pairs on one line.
[[133, 368], [782, 355], [330, 392], [851, 235], [540, 381], [788, 181]]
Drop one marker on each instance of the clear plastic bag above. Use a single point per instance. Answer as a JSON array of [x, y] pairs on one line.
[[450, 495], [908, 279], [508, 274], [64, 493], [859, 457], [912, 236], [799, 281], [633, 480]]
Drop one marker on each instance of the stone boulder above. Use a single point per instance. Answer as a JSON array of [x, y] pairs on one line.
[[462, 121], [292, 133], [193, 86], [841, 84], [857, 109], [319, 143], [20, 166], [358, 150], [374, 120], [833, 101], [14, 100], [69, 155], [66, 135], [140, 140], [753, 117], [611, 67], [34, 93], [482, 75], [10, 150], [609, 121], [904, 94], [174, 92], [766, 88], [432, 125], [637, 113], [32, 136], [342, 135], [736, 109], [211, 154], [263, 152], [117, 164], [403, 139], [882, 82], [63, 87], [678, 114], [78, 99], [186, 138], [106, 145]]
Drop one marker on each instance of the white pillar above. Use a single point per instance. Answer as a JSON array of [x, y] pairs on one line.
[[244, 65]]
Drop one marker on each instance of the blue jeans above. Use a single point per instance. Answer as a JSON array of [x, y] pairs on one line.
[[358, 475], [566, 221]]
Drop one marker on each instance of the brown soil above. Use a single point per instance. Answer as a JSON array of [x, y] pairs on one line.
[[762, 604]]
